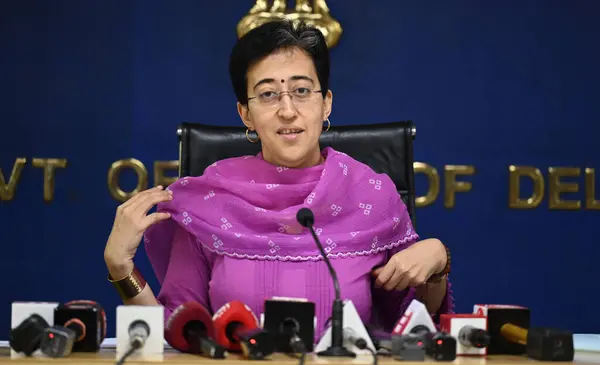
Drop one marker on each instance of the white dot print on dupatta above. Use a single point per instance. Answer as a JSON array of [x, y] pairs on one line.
[[366, 208], [375, 183], [336, 209], [274, 247], [186, 219], [226, 225], [330, 245], [216, 241]]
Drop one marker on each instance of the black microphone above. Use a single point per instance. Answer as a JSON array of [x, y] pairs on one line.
[[58, 341], [306, 218], [439, 345], [27, 336], [289, 328], [470, 336]]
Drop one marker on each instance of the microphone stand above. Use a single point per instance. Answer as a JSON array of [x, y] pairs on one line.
[[306, 218]]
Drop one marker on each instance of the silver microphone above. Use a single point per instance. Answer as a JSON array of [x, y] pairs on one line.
[[139, 331]]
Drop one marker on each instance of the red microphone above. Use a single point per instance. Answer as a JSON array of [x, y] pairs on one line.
[[190, 329], [232, 320]]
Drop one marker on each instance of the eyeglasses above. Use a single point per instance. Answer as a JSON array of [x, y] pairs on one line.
[[271, 98]]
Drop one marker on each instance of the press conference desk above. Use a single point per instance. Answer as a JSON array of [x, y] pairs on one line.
[[171, 357]]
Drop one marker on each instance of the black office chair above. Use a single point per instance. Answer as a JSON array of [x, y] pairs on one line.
[[386, 148]]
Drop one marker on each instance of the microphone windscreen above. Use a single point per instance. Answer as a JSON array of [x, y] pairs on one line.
[[99, 309], [233, 315], [183, 315], [305, 217]]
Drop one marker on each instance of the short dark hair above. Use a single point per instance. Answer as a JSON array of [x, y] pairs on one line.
[[269, 38]]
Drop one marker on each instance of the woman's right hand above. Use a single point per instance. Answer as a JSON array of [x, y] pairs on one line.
[[130, 223]]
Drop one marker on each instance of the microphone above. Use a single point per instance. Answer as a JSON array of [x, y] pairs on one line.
[[408, 347], [88, 319], [306, 218], [496, 316], [470, 330], [286, 315], [257, 344], [290, 328], [470, 336], [353, 338], [510, 334], [58, 341], [138, 332], [354, 330], [190, 329], [543, 344], [359, 342], [28, 323], [232, 320], [27, 336], [439, 345]]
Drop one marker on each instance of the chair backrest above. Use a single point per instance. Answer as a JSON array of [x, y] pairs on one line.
[[386, 148]]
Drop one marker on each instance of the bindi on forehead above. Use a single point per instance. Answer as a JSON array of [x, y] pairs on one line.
[[282, 81]]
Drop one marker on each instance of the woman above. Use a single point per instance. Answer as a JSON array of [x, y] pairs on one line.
[[232, 234]]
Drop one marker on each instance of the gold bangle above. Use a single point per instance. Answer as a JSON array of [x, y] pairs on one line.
[[129, 286]]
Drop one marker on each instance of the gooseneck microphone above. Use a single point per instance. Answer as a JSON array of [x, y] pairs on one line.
[[306, 218]]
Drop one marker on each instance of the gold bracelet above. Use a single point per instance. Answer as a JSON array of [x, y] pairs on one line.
[[129, 286]]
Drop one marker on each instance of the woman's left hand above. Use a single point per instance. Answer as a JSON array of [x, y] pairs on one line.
[[413, 266]]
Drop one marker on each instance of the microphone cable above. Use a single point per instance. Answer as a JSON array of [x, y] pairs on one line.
[[136, 344], [298, 347]]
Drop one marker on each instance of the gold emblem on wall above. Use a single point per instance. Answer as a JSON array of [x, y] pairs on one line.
[[316, 15]]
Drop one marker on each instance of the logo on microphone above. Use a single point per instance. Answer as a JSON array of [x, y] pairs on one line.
[[221, 311]]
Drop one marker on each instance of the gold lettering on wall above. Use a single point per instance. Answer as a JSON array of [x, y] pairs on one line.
[[556, 187], [7, 191], [159, 172], [113, 178], [514, 187], [433, 179], [451, 186], [49, 165], [561, 180], [590, 190]]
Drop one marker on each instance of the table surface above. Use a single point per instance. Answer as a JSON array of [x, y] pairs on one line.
[[108, 356]]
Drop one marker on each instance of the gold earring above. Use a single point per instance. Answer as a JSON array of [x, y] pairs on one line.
[[328, 125], [250, 139]]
